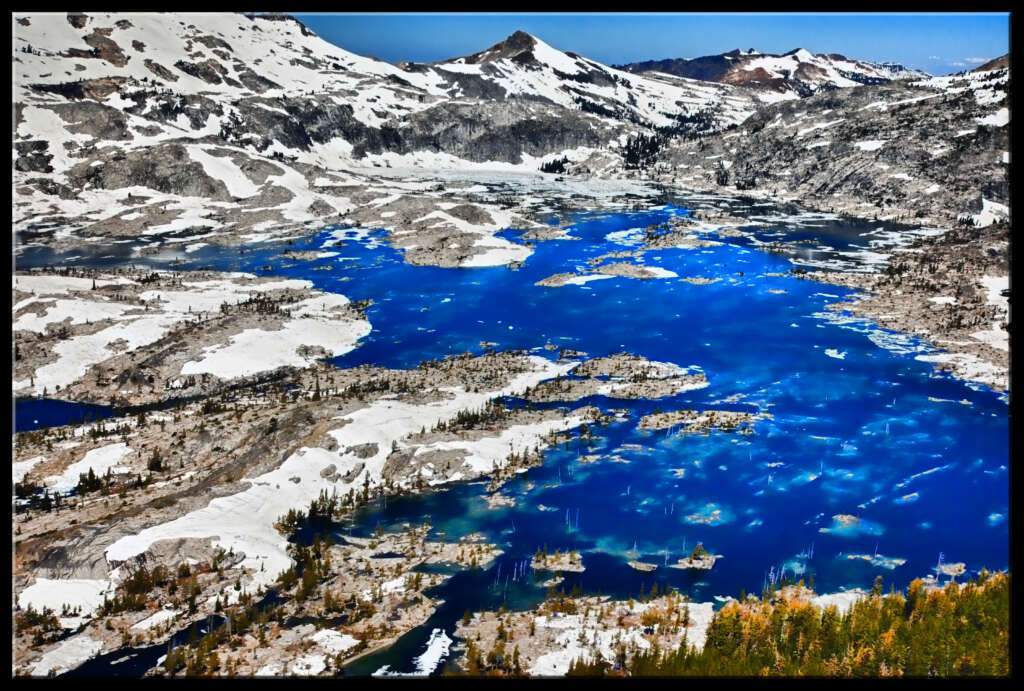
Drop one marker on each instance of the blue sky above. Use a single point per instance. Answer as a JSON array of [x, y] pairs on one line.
[[937, 43]]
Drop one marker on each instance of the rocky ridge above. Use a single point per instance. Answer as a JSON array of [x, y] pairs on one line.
[[791, 75]]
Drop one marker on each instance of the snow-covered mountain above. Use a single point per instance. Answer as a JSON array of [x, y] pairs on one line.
[[179, 126], [176, 127], [789, 75], [169, 75], [526, 67]]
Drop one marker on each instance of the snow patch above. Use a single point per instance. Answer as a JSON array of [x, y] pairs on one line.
[[99, 460]]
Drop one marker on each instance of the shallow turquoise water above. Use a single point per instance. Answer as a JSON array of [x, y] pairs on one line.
[[919, 457]]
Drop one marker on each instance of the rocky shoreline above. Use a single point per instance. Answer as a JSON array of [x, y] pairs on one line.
[[951, 291]]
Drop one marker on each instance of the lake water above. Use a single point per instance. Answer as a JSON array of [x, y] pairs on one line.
[[35, 413], [919, 457]]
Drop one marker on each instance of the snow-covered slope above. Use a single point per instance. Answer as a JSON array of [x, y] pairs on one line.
[[789, 75], [230, 55], [178, 127]]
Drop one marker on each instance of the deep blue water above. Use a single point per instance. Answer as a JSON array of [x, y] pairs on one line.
[[36, 413], [920, 457]]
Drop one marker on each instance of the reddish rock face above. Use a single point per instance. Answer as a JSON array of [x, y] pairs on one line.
[[757, 75], [105, 48]]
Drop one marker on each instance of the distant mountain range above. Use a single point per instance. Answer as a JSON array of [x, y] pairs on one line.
[[790, 75]]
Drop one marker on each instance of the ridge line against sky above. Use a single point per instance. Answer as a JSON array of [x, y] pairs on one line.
[[939, 43]]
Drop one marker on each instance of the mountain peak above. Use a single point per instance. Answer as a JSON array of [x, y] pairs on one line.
[[515, 45], [801, 54], [517, 42], [518, 37]]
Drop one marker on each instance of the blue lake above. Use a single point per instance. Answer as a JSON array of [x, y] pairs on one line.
[[919, 457], [37, 413]]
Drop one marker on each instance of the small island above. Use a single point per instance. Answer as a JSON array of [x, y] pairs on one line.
[[643, 566], [699, 559], [559, 561]]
